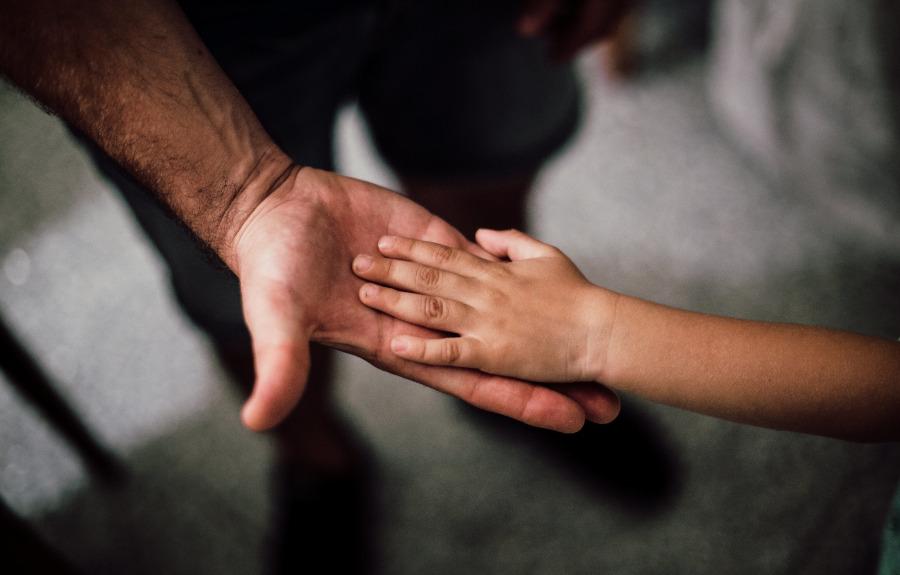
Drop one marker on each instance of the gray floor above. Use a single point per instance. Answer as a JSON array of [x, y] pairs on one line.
[[650, 200]]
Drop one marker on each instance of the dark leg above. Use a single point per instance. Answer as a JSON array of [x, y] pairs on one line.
[[24, 551], [498, 204], [31, 381], [321, 481]]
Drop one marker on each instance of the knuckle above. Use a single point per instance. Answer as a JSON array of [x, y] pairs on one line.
[[501, 349], [390, 269], [498, 271], [391, 297], [450, 351], [495, 298], [427, 278], [434, 308], [442, 254]]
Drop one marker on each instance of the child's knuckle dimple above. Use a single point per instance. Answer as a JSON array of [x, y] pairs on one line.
[[494, 298], [498, 272], [434, 308], [450, 351], [427, 278], [442, 254]]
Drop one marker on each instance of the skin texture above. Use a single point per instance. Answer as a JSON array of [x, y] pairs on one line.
[[135, 78], [512, 319], [536, 317]]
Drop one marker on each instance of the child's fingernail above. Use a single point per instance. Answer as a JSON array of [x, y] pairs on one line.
[[362, 263], [398, 345], [387, 242], [369, 291]]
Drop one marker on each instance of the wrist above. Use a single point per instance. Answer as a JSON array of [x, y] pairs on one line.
[[258, 177], [600, 318]]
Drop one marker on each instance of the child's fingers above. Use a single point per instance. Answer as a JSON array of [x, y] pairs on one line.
[[425, 310], [513, 244], [411, 276], [454, 351], [480, 252], [431, 254]]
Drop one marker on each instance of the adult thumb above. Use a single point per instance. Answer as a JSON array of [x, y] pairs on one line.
[[280, 356], [281, 372]]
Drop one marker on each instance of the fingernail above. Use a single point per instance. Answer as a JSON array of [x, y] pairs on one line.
[[369, 291], [398, 345], [387, 242], [362, 263]]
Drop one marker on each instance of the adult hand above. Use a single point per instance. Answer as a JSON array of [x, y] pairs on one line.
[[570, 25], [160, 106], [293, 256]]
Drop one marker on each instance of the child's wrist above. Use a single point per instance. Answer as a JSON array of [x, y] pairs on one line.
[[601, 318]]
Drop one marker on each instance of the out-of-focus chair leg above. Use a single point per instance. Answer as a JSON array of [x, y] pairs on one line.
[[33, 384], [24, 551]]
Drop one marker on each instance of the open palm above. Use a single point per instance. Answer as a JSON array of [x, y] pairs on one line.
[[293, 259]]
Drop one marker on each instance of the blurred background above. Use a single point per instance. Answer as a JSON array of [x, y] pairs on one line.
[[738, 159]]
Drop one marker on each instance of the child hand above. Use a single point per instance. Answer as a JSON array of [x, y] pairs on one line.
[[535, 317]]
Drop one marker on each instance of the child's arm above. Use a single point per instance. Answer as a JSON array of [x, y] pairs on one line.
[[536, 317]]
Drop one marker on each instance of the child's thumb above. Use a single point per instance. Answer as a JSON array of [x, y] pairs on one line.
[[513, 244]]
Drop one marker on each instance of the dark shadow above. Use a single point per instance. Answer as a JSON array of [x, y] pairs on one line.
[[321, 522], [626, 462], [32, 383], [324, 524], [264, 520], [24, 551]]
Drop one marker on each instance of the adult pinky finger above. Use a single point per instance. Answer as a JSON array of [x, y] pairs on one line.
[[453, 351]]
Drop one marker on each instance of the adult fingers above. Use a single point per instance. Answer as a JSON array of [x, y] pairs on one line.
[[526, 402], [529, 403], [600, 404], [513, 244]]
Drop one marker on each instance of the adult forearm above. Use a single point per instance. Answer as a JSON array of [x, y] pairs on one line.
[[135, 77], [774, 375]]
